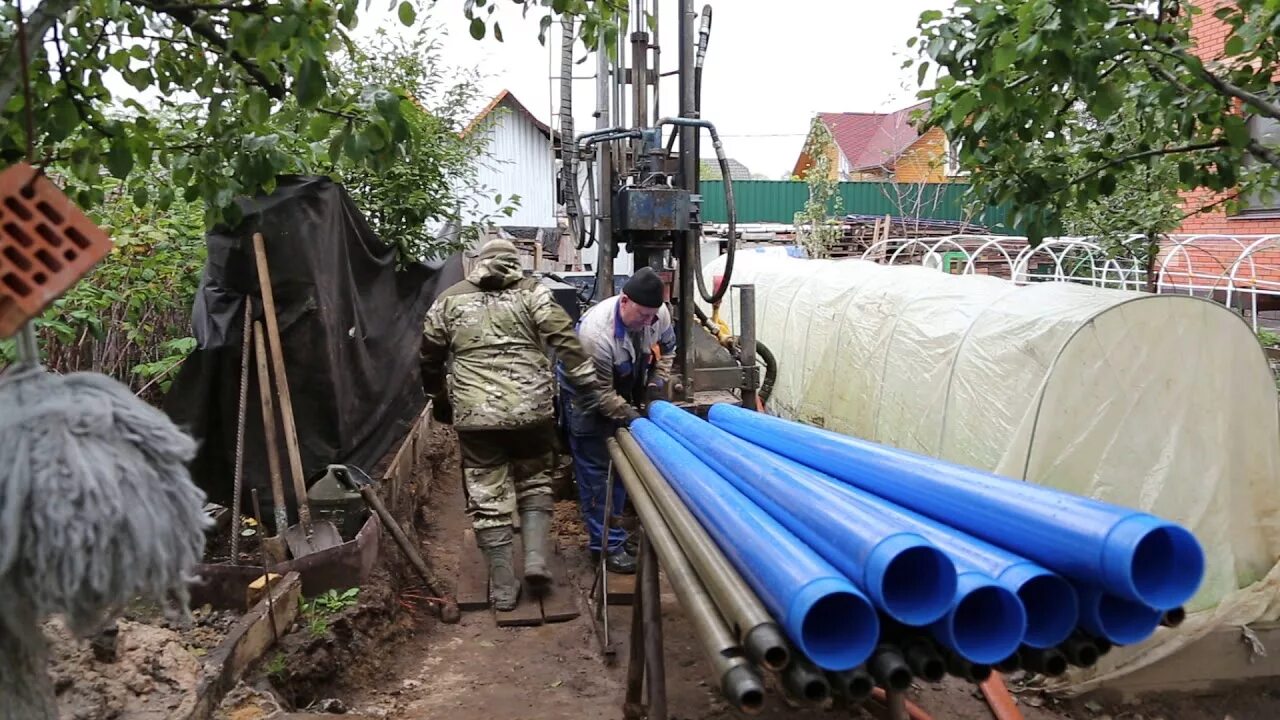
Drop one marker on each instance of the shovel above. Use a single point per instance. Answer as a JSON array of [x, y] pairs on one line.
[[353, 478], [307, 537], [274, 545]]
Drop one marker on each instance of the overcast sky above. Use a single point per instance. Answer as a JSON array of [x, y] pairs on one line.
[[770, 65]]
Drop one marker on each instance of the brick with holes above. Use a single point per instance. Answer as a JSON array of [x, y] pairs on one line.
[[46, 245]]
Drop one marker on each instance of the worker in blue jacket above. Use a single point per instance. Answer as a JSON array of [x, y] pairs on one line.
[[631, 340]]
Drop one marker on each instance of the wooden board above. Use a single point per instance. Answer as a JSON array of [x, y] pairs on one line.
[[528, 610], [559, 605], [622, 589], [473, 575], [246, 643]]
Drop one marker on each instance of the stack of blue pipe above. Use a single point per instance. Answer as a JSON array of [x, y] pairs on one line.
[[833, 532]]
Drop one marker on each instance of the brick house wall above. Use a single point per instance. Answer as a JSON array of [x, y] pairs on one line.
[[1210, 37]]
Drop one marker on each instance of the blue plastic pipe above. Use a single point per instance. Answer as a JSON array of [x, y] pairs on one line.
[[856, 531], [1128, 553], [1121, 621], [908, 578], [827, 618]]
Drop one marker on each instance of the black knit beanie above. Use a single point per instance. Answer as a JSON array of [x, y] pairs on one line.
[[645, 288]]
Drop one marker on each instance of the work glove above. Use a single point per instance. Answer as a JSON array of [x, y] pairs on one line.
[[653, 392], [629, 415]]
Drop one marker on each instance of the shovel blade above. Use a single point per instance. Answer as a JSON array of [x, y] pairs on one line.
[[323, 536]]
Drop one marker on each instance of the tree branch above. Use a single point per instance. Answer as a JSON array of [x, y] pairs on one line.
[[251, 7], [38, 24], [201, 27], [76, 93], [1230, 89], [1145, 154]]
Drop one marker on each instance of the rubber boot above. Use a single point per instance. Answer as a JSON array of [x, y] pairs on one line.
[[504, 589], [535, 531]]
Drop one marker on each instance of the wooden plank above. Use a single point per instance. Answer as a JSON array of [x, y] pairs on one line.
[[559, 605], [528, 612], [245, 644], [622, 589], [473, 575]]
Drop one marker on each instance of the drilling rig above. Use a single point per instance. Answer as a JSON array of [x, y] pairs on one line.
[[641, 172]]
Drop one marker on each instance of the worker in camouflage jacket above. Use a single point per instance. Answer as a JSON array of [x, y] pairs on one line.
[[492, 331]]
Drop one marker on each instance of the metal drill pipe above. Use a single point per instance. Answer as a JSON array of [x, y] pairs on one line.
[[1046, 662], [742, 610], [805, 683], [739, 682], [852, 686], [889, 668], [1080, 651]]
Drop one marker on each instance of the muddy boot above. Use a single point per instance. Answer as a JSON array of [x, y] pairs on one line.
[[504, 589], [535, 530]]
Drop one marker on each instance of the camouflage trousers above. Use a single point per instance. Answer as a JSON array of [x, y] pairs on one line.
[[505, 471]]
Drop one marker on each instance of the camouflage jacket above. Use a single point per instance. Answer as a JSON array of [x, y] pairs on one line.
[[493, 329]]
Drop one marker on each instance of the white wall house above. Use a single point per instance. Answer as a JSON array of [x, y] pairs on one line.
[[518, 161]]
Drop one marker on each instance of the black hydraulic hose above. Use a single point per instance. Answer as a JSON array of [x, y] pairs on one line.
[[730, 207], [704, 37], [591, 202], [770, 371]]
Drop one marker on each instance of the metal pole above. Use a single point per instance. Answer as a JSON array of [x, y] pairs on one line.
[[747, 341], [604, 193], [651, 609], [632, 707], [640, 81], [689, 181]]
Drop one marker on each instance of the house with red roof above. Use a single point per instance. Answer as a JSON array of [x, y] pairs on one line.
[[884, 146]]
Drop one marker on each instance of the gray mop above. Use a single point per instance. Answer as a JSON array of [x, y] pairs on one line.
[[97, 509]]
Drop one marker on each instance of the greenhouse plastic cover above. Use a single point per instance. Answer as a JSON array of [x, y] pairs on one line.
[[1163, 403]]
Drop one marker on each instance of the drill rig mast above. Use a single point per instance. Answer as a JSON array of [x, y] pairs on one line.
[[644, 199]]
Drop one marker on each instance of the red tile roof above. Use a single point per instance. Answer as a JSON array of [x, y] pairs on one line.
[[873, 140]]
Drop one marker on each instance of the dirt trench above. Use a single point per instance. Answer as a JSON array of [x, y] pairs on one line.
[[386, 657]]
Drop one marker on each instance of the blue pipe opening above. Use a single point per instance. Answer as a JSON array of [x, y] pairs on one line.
[[909, 580], [836, 627], [1159, 563], [1050, 603], [1121, 621], [986, 624]]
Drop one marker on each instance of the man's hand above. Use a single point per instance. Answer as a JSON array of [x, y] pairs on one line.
[[629, 416]]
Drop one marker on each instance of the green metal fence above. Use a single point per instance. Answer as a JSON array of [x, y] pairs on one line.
[[777, 201]]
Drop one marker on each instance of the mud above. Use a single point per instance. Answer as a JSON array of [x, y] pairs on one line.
[[153, 676]]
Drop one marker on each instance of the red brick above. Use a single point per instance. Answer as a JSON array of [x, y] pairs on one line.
[[46, 245]]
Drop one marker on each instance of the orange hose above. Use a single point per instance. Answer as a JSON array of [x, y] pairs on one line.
[[999, 699], [915, 712]]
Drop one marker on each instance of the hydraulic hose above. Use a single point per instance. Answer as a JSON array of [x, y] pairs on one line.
[[1131, 554], [825, 616], [770, 371], [738, 604], [730, 208]]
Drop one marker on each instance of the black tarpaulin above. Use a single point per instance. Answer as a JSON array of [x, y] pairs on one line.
[[350, 326]]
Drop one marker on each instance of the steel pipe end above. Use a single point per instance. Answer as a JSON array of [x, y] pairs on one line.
[[1175, 617], [852, 685], [1080, 651], [1152, 561], [805, 683], [924, 660], [986, 623], [767, 646], [1049, 600], [910, 579], [1120, 621], [1050, 662], [743, 688], [890, 669], [838, 626]]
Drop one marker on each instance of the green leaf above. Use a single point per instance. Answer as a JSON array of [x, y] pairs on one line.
[[930, 16], [258, 106], [1234, 46], [119, 157], [924, 70], [1187, 172], [407, 14], [1107, 184], [497, 31], [310, 84], [319, 127], [1237, 132], [141, 196], [477, 29], [1004, 56]]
